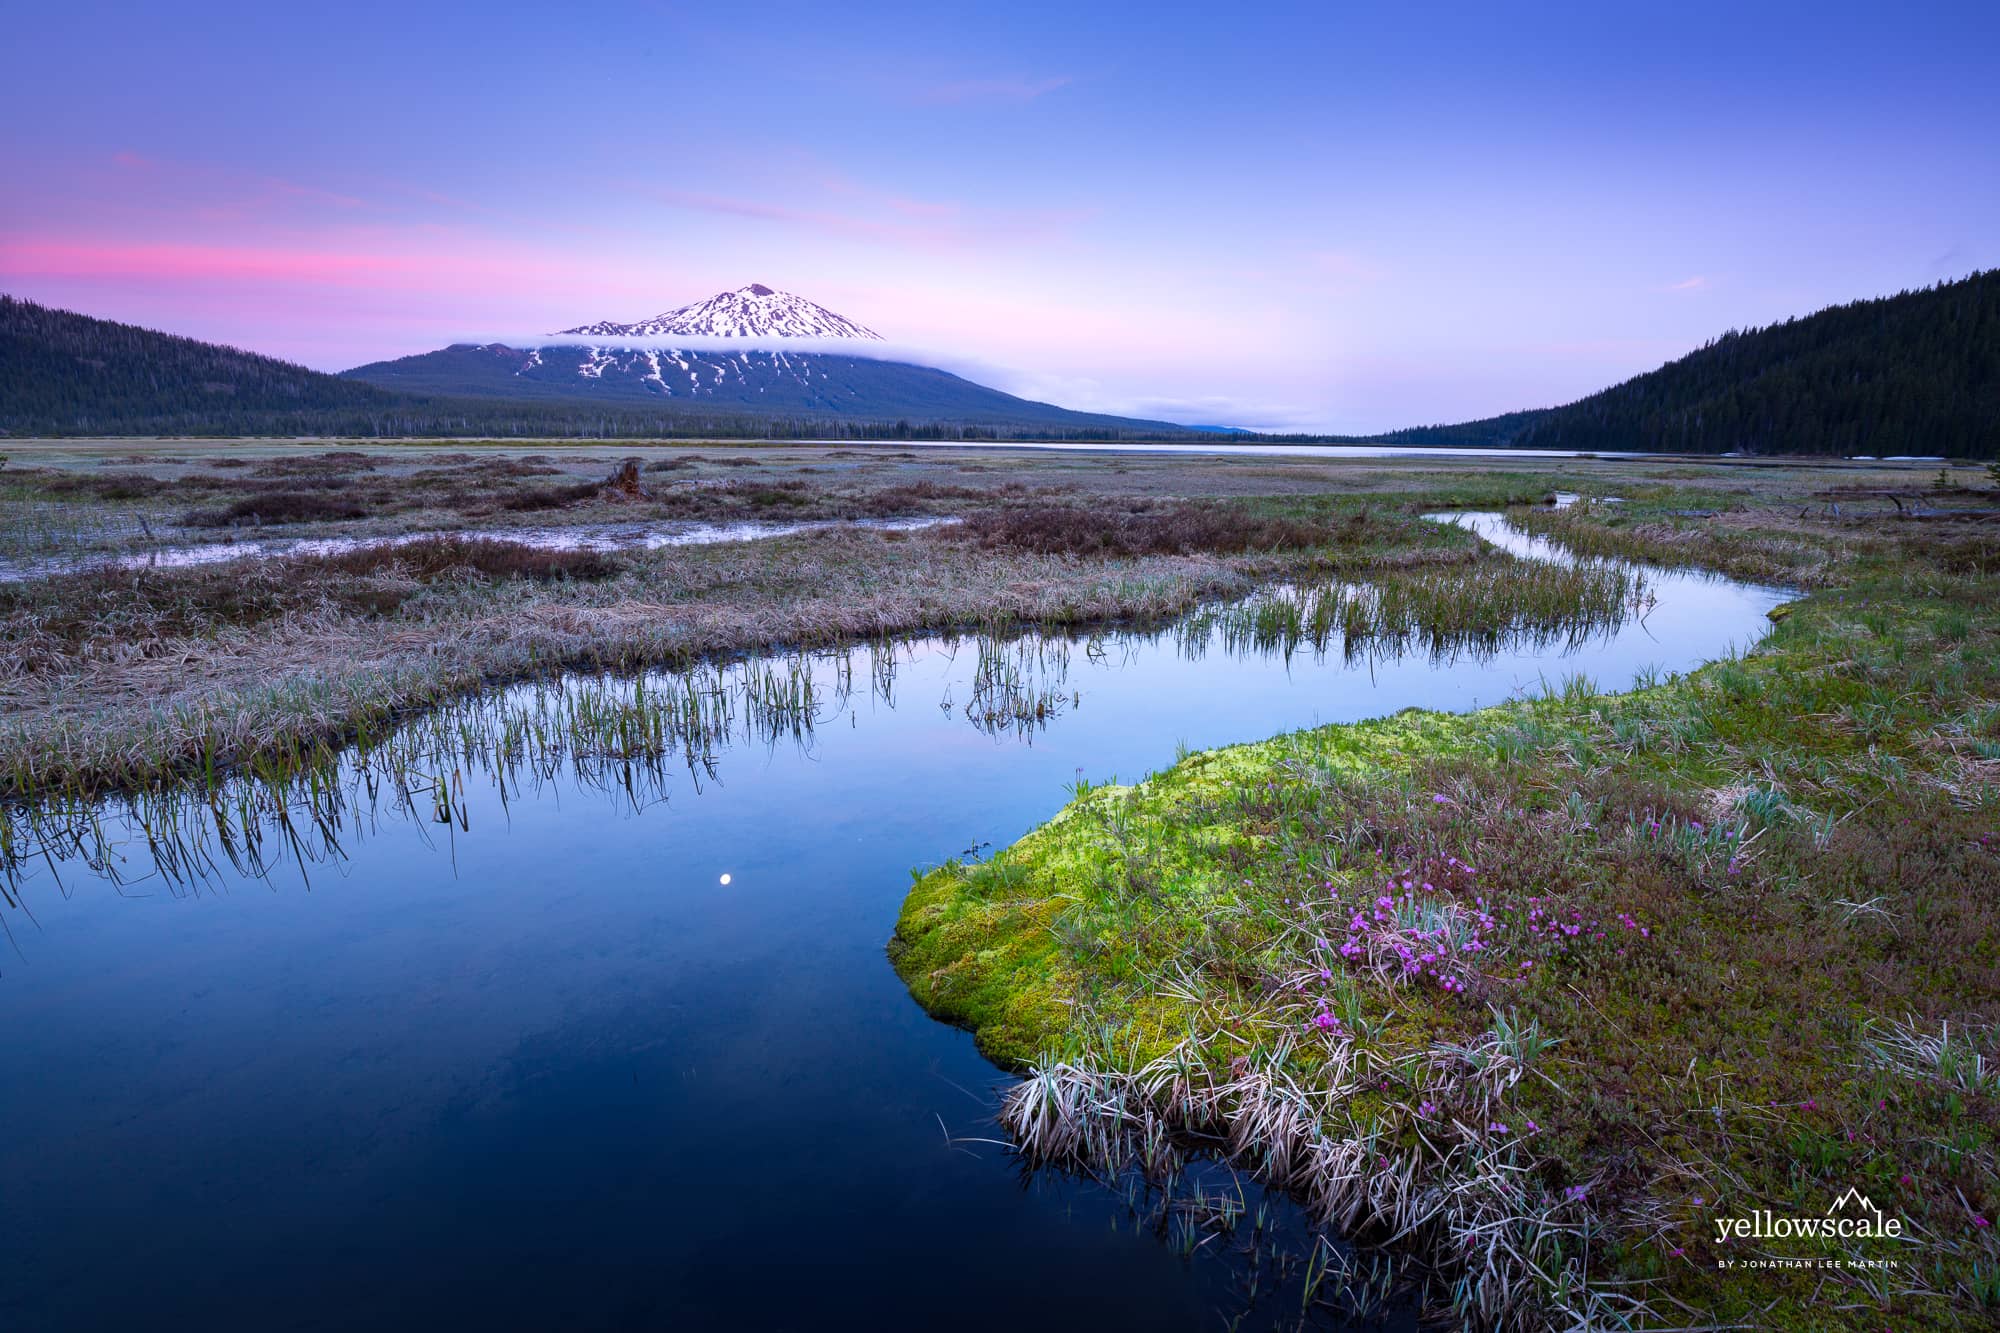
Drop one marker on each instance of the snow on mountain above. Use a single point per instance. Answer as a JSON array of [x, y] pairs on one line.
[[755, 311], [753, 351]]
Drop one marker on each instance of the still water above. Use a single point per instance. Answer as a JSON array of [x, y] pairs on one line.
[[599, 1057], [606, 537]]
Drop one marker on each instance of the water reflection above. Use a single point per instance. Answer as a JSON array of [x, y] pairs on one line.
[[566, 1006], [633, 738], [602, 537]]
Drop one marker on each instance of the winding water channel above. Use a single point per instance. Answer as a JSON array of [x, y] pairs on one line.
[[595, 537], [587, 1055]]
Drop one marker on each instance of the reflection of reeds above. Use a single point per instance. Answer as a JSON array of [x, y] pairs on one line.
[[1019, 685], [299, 800], [622, 735], [1158, 1139], [1507, 1248]]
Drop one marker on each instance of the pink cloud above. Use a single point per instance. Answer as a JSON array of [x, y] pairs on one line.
[[330, 301], [1688, 284], [438, 262], [43, 257]]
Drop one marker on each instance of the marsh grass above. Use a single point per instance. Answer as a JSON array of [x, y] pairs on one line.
[[1762, 545], [1474, 609], [1736, 948], [124, 678], [432, 558], [1968, 1062], [1019, 685], [552, 497], [279, 506], [255, 662], [1502, 1246], [1170, 530], [132, 615], [327, 489]]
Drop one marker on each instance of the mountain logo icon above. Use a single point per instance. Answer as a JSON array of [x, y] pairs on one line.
[[1851, 1216]]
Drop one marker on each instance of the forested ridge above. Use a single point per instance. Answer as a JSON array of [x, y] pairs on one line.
[[1915, 373], [67, 373]]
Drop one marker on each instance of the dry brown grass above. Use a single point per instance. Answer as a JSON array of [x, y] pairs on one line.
[[429, 559], [279, 507], [124, 618], [1180, 529], [234, 662]]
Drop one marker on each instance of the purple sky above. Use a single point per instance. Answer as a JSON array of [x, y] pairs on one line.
[[1322, 217]]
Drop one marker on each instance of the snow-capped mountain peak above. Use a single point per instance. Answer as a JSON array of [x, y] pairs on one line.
[[755, 311]]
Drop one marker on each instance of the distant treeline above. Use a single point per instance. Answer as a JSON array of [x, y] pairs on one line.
[[1916, 373], [68, 374], [1489, 433]]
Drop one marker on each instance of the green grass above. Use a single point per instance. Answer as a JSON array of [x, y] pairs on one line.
[[1739, 949]]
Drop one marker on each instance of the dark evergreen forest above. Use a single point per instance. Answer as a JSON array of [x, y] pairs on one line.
[[1916, 373]]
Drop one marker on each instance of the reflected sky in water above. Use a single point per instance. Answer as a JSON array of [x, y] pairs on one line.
[[549, 1067], [605, 537]]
